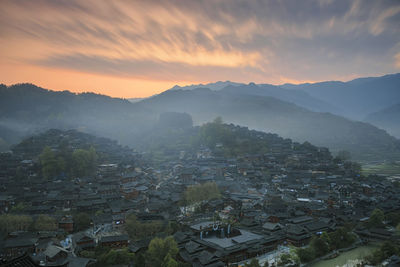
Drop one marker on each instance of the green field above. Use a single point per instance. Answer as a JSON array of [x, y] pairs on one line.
[[382, 168]]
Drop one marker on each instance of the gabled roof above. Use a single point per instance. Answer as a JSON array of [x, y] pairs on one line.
[[20, 242], [272, 226], [52, 251], [114, 238], [193, 247], [206, 257]]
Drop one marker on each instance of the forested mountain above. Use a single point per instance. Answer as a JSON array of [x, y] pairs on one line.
[[26, 109], [223, 140], [286, 119]]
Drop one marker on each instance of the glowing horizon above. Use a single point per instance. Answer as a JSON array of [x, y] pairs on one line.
[[141, 48]]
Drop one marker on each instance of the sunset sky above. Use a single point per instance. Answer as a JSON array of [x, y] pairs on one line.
[[139, 48]]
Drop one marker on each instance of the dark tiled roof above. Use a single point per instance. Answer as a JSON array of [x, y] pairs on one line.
[[114, 238]]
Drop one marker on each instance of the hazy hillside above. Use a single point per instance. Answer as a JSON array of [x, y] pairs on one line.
[[388, 119], [27, 109], [286, 119], [299, 98], [357, 98]]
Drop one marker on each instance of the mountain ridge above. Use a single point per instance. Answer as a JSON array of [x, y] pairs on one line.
[[39, 109]]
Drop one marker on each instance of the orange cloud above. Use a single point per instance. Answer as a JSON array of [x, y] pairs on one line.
[[397, 60], [143, 47]]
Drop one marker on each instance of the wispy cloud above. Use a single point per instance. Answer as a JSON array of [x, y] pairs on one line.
[[173, 40]]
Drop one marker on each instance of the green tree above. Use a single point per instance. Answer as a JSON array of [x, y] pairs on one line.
[[138, 230], [305, 254], [341, 238], [114, 257], [169, 262], [81, 221], [140, 260], [159, 249], [319, 246], [386, 250], [200, 192], [20, 207], [326, 238], [45, 223], [84, 162], [50, 163], [376, 219], [10, 223]]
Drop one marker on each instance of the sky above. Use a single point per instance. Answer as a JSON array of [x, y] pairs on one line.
[[140, 48]]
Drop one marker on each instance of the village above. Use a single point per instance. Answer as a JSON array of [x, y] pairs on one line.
[[220, 211]]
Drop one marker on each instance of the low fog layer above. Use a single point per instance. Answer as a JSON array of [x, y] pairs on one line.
[[26, 109]]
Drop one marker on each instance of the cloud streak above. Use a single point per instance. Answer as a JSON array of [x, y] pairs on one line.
[[176, 41]]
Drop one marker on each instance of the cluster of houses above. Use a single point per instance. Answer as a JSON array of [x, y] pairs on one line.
[[282, 197]]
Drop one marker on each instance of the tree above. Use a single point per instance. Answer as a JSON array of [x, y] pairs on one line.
[[159, 249], [140, 260], [169, 261], [45, 223], [18, 208], [341, 238], [319, 246], [81, 221], [114, 257], [326, 238], [51, 164], [305, 254], [137, 230], [84, 162], [284, 259], [376, 219], [386, 250], [197, 193], [10, 223]]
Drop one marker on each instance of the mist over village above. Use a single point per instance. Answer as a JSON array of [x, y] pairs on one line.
[[199, 133]]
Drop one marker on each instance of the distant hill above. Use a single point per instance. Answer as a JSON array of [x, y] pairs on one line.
[[286, 119], [387, 118], [26, 109], [354, 99], [107, 149], [221, 139], [357, 98], [297, 97]]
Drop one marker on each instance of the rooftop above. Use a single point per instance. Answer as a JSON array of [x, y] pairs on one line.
[[226, 242]]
